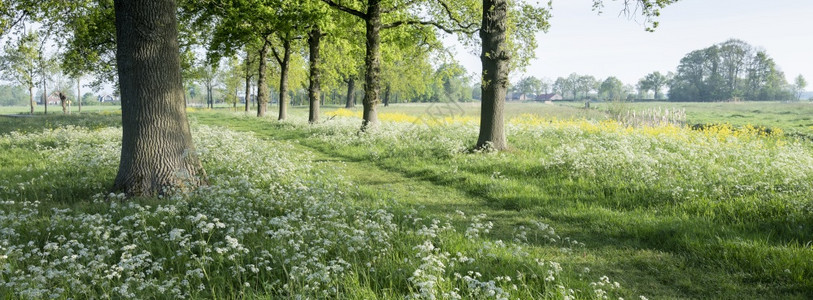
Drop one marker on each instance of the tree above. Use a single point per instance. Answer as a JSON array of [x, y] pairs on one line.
[[653, 82], [729, 70], [19, 63], [496, 60], [379, 15], [799, 85], [248, 69], [208, 73], [157, 151], [315, 76], [13, 95], [612, 89], [451, 80], [231, 78], [586, 84], [563, 86], [87, 34], [497, 51], [283, 58], [528, 85]]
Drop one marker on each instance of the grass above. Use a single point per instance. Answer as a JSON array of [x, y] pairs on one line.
[[667, 212], [794, 118]]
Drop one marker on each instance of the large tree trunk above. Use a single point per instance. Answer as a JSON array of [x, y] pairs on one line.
[[262, 86], [495, 74], [372, 63], [283, 79], [314, 91], [31, 98], [351, 93], [157, 151]]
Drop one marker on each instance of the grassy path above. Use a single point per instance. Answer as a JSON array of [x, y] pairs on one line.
[[644, 250]]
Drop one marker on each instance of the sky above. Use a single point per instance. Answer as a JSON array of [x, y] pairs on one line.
[[581, 41]]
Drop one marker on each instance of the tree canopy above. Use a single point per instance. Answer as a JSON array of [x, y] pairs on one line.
[[730, 70]]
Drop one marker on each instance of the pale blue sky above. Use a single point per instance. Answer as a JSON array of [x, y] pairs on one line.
[[604, 45]]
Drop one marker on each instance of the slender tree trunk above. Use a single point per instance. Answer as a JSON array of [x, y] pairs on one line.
[[351, 93], [283, 79], [45, 95], [495, 59], [31, 98], [372, 62], [262, 86], [210, 96], [79, 95], [387, 96], [63, 99], [157, 151], [314, 92], [248, 80]]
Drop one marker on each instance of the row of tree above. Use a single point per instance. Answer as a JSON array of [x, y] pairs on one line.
[[580, 87], [150, 54], [732, 70]]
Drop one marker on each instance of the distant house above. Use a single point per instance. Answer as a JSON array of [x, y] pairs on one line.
[[54, 99], [517, 97], [107, 98], [548, 97]]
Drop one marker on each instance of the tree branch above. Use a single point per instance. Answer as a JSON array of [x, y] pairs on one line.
[[431, 23], [345, 9], [470, 28], [276, 54]]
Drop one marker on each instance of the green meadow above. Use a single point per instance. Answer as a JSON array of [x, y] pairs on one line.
[[580, 207]]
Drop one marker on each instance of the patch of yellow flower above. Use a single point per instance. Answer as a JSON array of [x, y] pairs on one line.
[[343, 112], [719, 132], [429, 120]]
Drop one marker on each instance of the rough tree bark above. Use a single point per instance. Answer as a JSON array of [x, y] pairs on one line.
[[314, 91], [351, 93], [262, 87], [284, 64], [373, 63], [495, 59], [157, 151]]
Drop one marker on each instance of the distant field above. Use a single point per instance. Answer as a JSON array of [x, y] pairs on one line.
[[790, 117], [55, 109]]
